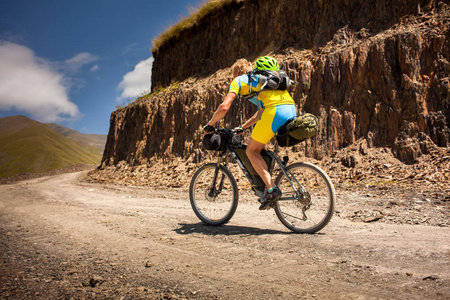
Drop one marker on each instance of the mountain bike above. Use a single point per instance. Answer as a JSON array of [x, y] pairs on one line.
[[307, 202]]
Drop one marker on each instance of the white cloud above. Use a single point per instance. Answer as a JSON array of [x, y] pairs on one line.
[[30, 84], [94, 68], [136, 82], [75, 63]]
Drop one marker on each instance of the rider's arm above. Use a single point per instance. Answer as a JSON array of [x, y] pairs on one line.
[[222, 109]]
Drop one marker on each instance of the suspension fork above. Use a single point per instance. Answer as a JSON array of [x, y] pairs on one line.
[[213, 192]]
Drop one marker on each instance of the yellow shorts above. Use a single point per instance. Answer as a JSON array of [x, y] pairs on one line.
[[271, 120]]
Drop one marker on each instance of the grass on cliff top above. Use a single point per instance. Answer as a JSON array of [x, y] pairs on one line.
[[196, 15], [145, 94]]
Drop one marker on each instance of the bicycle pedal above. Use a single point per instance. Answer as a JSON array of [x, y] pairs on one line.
[[266, 205]]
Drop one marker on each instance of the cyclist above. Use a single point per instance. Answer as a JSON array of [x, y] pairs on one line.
[[276, 108]]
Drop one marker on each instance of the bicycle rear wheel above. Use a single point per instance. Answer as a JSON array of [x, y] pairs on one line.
[[309, 207], [213, 205]]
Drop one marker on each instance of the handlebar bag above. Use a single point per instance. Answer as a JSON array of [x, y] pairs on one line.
[[216, 141]]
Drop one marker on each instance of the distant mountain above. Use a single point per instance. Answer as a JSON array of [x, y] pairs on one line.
[[94, 142], [29, 146]]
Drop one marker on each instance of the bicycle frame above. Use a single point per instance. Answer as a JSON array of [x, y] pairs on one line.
[[260, 190]]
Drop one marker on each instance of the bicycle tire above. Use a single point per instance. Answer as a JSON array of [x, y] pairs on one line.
[[215, 209], [310, 210]]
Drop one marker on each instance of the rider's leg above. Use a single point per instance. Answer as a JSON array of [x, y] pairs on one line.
[[271, 120], [259, 164]]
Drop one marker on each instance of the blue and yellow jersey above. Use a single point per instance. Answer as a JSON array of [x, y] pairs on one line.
[[270, 98]]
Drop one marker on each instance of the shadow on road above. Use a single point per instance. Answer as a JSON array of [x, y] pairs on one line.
[[224, 230]]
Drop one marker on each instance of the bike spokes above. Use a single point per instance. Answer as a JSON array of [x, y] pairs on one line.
[[213, 194], [307, 204]]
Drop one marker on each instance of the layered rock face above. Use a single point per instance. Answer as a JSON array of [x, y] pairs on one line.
[[372, 70], [250, 28], [392, 88]]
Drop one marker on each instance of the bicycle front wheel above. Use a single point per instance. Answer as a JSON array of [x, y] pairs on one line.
[[213, 196], [307, 203]]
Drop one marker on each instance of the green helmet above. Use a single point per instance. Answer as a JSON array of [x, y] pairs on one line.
[[267, 63]]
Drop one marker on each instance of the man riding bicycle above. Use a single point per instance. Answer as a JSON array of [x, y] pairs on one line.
[[276, 107]]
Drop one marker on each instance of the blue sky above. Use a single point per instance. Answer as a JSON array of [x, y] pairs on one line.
[[72, 61]]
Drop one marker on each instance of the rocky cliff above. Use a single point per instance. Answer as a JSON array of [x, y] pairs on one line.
[[377, 72], [249, 28]]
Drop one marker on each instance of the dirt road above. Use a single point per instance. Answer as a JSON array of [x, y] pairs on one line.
[[70, 240]]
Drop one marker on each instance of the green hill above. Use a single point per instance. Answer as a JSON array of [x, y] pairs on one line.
[[30, 146], [95, 143]]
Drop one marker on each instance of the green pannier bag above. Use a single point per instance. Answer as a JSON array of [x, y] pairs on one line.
[[297, 130]]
